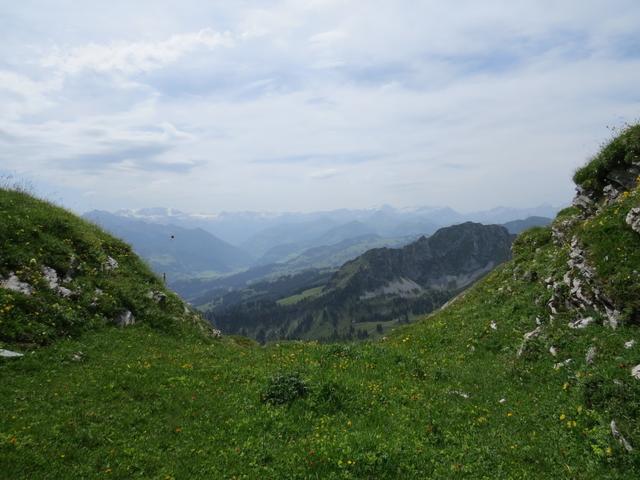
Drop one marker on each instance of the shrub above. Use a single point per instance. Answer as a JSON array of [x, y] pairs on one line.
[[284, 388]]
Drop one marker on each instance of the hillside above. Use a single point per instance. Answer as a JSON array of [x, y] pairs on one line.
[[368, 295], [61, 276], [173, 250], [518, 226], [532, 373]]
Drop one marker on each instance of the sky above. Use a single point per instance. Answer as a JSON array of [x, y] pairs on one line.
[[210, 106]]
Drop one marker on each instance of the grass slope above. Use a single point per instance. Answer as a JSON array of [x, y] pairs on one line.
[[447, 397]]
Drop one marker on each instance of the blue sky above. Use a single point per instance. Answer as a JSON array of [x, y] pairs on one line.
[[312, 105]]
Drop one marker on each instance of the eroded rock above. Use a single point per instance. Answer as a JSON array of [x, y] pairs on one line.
[[13, 283], [528, 337], [51, 277], [582, 323], [633, 219], [158, 297], [618, 436], [9, 354], [110, 264], [125, 319]]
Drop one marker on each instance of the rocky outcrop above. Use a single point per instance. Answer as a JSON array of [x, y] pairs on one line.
[[618, 436], [633, 219], [13, 283], [51, 277], [584, 291], [528, 337], [110, 264], [9, 354], [158, 297]]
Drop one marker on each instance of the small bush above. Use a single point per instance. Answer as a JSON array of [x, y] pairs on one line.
[[284, 388]]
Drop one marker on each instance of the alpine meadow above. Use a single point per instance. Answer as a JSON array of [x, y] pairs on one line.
[[320, 240]]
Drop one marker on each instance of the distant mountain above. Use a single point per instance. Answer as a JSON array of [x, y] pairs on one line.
[[295, 235], [449, 260], [519, 226], [176, 251], [259, 232], [368, 295]]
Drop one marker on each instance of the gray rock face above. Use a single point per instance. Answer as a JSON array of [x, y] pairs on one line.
[[9, 354], [528, 337], [158, 297], [51, 276], [618, 436], [13, 283], [633, 219], [585, 293], [125, 319], [611, 194], [559, 365], [584, 203], [582, 323], [110, 264], [624, 177]]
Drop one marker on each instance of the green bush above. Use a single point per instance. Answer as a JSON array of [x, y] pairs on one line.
[[284, 388]]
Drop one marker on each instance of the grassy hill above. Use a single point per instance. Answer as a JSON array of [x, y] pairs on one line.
[[522, 376]]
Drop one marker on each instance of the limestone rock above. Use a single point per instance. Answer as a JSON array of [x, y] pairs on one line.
[[559, 365], [624, 177], [13, 283], [157, 297], [618, 436], [591, 355], [528, 337], [51, 276], [110, 264], [125, 319], [633, 219], [635, 372], [9, 354], [611, 194], [582, 323], [584, 203]]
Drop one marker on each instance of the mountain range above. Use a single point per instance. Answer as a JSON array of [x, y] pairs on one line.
[[194, 246], [367, 295]]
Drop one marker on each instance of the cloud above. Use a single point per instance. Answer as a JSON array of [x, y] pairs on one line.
[[214, 106], [324, 174], [133, 57]]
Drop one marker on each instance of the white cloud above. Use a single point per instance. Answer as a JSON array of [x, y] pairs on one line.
[[133, 57], [352, 103]]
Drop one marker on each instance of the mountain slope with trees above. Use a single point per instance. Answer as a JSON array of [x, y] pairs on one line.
[[366, 296]]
